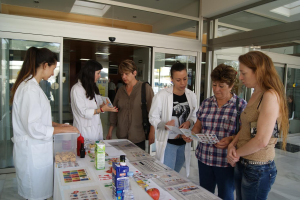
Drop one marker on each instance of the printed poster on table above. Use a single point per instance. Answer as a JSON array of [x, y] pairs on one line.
[[169, 179], [84, 193], [150, 166], [137, 154], [190, 191], [73, 176], [123, 145]]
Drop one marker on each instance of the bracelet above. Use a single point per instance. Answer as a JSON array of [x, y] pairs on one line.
[[96, 111], [101, 110]]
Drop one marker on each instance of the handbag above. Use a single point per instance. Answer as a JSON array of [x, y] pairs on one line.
[[146, 124]]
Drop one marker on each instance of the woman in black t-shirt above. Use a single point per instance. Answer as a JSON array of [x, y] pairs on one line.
[[174, 106]]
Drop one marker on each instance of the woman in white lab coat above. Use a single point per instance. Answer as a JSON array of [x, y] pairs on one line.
[[33, 128], [175, 106], [87, 103]]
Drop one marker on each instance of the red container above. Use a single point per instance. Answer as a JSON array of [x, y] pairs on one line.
[[80, 140]]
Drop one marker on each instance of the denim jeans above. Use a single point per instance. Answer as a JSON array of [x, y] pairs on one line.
[[174, 156], [254, 182], [210, 176]]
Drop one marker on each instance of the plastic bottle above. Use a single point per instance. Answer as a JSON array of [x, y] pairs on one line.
[[128, 193], [80, 140], [82, 151]]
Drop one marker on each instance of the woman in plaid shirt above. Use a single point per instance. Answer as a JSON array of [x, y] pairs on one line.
[[217, 115]]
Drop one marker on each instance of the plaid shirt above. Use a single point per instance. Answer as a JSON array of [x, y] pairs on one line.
[[221, 122]]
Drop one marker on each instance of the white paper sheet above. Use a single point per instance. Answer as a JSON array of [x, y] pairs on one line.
[[112, 151], [190, 191], [84, 193]]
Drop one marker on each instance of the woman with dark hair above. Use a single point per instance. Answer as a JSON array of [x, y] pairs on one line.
[[87, 103], [264, 119], [33, 128], [217, 115], [174, 106]]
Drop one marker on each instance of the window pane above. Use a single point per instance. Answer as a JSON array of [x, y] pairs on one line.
[[263, 16], [186, 7], [162, 67], [293, 98]]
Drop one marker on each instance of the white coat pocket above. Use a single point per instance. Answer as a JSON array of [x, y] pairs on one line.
[[42, 155]]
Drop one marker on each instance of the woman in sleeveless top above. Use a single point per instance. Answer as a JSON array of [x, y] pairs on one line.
[[264, 119]]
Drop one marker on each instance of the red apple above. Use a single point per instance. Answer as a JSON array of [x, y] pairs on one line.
[[154, 193]]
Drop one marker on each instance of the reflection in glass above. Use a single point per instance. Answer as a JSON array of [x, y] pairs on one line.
[[162, 67], [293, 98], [238, 88], [140, 20], [186, 7], [12, 53]]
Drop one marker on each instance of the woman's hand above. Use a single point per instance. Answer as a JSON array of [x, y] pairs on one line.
[[232, 157], [108, 137], [170, 123], [65, 129], [223, 143], [151, 136], [106, 108], [185, 125], [186, 139], [64, 125], [72, 129]]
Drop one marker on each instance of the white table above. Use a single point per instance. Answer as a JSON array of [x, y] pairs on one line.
[[139, 193]]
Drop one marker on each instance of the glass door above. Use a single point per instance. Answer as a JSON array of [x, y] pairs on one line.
[[163, 59], [13, 49], [5, 109]]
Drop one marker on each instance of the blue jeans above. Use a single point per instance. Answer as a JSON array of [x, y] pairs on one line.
[[254, 181], [210, 176], [174, 156]]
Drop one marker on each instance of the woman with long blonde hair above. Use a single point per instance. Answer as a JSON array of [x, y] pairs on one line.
[[264, 120]]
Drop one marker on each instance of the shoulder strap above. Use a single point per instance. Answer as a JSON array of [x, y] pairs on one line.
[[144, 93], [260, 101], [144, 108], [237, 122]]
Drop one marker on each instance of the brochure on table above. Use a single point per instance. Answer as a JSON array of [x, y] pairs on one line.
[[75, 176], [189, 191], [169, 179], [112, 151], [150, 166], [123, 145], [84, 193], [137, 154], [207, 138]]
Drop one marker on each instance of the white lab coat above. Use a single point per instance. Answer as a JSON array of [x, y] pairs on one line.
[[88, 124], [161, 112], [33, 143]]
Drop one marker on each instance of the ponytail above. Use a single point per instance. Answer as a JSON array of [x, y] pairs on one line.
[[34, 57]]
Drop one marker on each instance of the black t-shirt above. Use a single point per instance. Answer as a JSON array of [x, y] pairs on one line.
[[181, 111]]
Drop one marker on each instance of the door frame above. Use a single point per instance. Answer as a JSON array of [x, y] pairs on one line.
[[42, 38], [198, 56], [39, 38]]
